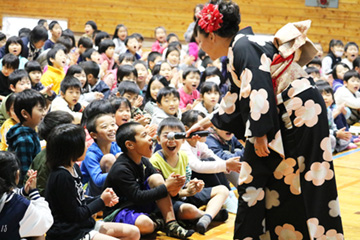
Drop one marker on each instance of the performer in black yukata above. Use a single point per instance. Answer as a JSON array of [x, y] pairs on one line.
[[287, 186]]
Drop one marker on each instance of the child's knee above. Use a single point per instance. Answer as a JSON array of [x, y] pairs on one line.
[[189, 211], [155, 180], [145, 224], [106, 162], [220, 190], [133, 232]]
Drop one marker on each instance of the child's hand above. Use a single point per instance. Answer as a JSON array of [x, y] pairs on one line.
[[174, 183], [31, 182], [138, 101], [188, 60], [143, 120], [104, 65], [343, 134], [47, 90], [109, 197], [151, 129], [233, 164], [98, 95], [199, 185], [191, 188]]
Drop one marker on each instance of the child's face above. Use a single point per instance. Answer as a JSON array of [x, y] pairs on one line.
[[7, 71], [165, 70], [37, 114], [192, 81], [81, 77], [155, 88], [142, 73], [169, 147], [132, 97], [56, 31], [351, 53], [160, 35], [105, 129], [193, 142], [89, 30], [122, 33], [224, 134], [143, 142], [110, 52], [211, 98], [95, 56], [15, 48], [2, 42], [39, 44], [169, 104], [140, 42], [133, 45], [353, 84], [338, 50], [60, 59], [328, 99], [21, 85], [340, 71], [71, 96], [35, 76], [123, 114], [174, 58], [12, 114]]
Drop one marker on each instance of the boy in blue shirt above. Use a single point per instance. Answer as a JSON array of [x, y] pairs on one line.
[[22, 139]]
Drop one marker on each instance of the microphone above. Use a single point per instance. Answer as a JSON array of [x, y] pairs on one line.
[[182, 135]]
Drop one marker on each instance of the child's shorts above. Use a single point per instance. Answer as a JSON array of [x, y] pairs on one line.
[[90, 235], [199, 199], [129, 215]]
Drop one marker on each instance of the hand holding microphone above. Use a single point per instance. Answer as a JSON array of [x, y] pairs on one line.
[[182, 135]]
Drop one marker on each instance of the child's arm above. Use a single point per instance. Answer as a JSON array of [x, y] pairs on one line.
[[92, 164], [343, 95], [24, 149], [215, 146]]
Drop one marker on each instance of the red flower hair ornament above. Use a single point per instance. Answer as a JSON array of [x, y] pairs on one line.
[[210, 18]]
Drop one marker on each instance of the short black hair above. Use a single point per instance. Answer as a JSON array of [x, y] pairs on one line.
[[172, 123], [51, 120], [24, 32], [310, 70], [128, 38], [138, 36], [68, 33], [105, 44], [85, 42], [171, 49], [119, 101], [167, 91], [126, 132], [100, 37], [324, 86], [92, 24], [2, 36], [52, 24], [10, 61], [335, 42], [74, 69], [27, 100], [316, 60], [117, 30], [66, 144], [351, 73], [152, 56], [69, 82], [9, 165], [10, 101], [42, 21], [161, 79], [126, 56], [90, 67], [52, 53], [66, 42], [16, 40], [128, 87], [39, 33], [87, 54], [125, 71], [170, 35], [209, 87], [94, 108], [190, 117], [189, 70], [17, 76], [33, 66], [212, 70], [356, 62], [334, 73], [91, 122]]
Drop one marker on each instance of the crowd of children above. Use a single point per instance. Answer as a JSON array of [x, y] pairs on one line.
[[86, 125]]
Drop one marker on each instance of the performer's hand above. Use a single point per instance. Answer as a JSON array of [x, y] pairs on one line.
[[203, 124], [261, 146]]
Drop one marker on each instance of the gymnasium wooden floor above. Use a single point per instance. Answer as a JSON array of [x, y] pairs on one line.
[[347, 172]]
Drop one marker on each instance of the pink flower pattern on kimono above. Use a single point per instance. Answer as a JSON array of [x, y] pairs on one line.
[[301, 163], [265, 63], [253, 195], [332, 234], [285, 167], [277, 145], [293, 180], [258, 103], [319, 172], [246, 77], [298, 86], [265, 236], [293, 104], [287, 232], [271, 198], [308, 114], [245, 174], [256, 39], [231, 69], [325, 145], [334, 208], [227, 104], [315, 230]]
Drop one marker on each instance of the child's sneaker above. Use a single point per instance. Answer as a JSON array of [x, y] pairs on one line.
[[173, 229]]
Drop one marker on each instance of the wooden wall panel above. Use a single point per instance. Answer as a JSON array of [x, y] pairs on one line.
[[144, 15]]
